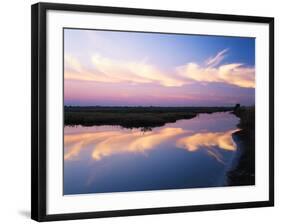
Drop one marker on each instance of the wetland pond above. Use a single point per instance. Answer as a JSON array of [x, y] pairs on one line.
[[190, 153]]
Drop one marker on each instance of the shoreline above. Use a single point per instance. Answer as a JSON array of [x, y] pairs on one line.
[[243, 173], [133, 117]]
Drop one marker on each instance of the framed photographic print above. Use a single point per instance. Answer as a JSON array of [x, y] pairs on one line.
[[139, 111]]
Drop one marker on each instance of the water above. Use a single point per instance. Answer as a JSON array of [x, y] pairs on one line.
[[186, 154]]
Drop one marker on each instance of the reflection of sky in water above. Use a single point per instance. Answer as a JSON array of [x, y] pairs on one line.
[[186, 154]]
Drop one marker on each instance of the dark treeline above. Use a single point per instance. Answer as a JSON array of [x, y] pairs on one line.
[[141, 109], [132, 117]]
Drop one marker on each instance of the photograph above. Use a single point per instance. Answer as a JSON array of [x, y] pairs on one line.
[[139, 111], [148, 111]]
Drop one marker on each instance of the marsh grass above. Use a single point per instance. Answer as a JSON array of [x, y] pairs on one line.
[[133, 117]]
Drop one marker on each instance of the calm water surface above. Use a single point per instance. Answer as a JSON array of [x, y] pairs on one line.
[[187, 154]]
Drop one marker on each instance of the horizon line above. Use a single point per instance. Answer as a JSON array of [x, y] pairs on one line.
[[155, 106]]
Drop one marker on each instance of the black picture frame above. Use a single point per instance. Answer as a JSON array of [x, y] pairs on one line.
[[38, 108]]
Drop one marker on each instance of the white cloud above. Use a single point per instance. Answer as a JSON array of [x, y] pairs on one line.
[[141, 72], [134, 72], [233, 74], [217, 59]]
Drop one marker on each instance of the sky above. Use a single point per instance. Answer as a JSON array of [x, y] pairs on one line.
[[117, 68]]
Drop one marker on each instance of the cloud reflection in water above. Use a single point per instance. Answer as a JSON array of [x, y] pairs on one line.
[[107, 143]]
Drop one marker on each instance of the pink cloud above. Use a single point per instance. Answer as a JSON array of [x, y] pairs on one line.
[[107, 70]]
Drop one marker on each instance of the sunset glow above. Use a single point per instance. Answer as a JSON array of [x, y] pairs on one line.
[[111, 68]]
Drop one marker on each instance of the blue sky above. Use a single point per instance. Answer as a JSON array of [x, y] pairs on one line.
[[178, 70]]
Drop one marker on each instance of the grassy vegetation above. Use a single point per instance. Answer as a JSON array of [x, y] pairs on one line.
[[244, 172], [133, 117]]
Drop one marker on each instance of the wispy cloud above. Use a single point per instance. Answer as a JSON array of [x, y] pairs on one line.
[[217, 59], [135, 72], [233, 74], [72, 64], [117, 71], [142, 72]]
